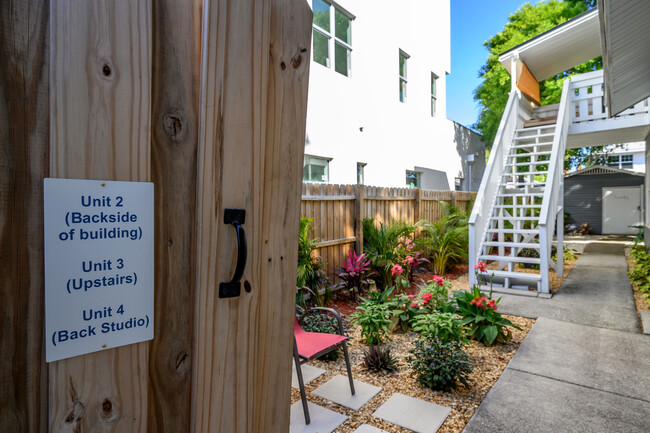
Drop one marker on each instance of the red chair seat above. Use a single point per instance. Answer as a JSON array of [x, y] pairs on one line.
[[311, 343]]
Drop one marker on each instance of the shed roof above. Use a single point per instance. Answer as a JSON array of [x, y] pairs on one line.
[[601, 169]]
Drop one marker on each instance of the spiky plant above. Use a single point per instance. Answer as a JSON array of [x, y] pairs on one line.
[[378, 358], [380, 243]]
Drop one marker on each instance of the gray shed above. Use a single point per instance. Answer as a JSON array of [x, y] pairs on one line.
[[610, 200]]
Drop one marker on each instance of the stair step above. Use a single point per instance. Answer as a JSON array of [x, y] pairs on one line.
[[527, 173], [524, 155], [520, 194], [514, 231], [517, 206], [531, 245], [529, 145], [519, 137], [513, 259], [516, 218], [522, 184], [523, 164], [508, 274]]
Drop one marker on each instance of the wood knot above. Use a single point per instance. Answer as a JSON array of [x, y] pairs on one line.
[[173, 126], [106, 70], [107, 408], [247, 287], [180, 359], [296, 61], [283, 66], [76, 413]]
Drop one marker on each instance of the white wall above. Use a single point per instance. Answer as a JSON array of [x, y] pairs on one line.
[[360, 118]]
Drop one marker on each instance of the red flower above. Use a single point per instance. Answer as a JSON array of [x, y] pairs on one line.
[[438, 280], [411, 296], [427, 298], [414, 305], [480, 266], [397, 270]]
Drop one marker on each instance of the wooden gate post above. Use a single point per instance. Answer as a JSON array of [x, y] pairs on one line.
[[24, 139], [100, 129]]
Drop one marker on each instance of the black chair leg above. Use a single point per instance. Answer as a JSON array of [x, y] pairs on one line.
[[301, 383], [347, 364]]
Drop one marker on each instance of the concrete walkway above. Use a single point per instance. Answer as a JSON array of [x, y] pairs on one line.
[[584, 366], [597, 292]]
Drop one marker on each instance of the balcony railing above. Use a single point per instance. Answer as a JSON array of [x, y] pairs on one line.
[[587, 99]]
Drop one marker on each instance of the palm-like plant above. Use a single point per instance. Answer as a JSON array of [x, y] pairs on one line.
[[445, 241], [310, 274], [381, 242]]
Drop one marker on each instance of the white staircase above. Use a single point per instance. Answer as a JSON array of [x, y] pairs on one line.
[[512, 235], [520, 199]]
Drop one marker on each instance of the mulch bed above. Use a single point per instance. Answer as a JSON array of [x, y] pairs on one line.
[[489, 363]]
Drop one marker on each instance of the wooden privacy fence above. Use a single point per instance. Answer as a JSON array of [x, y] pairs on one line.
[[337, 212]]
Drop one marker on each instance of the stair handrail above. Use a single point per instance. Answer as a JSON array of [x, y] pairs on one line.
[[487, 192], [554, 186]]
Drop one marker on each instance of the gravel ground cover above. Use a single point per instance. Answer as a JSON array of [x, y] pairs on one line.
[[489, 363]]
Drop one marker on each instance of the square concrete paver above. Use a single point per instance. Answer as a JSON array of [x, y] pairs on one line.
[[322, 420], [412, 413], [365, 428], [524, 402], [309, 373], [337, 389], [645, 321]]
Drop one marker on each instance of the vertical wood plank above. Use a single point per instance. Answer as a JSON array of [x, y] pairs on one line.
[[100, 129], [24, 146], [255, 59], [175, 92]]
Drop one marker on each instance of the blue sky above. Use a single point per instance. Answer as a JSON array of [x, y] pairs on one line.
[[472, 23]]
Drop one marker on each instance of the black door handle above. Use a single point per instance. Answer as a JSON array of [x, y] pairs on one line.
[[232, 288]]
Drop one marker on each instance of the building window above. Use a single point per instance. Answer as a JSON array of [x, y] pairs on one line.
[[360, 173], [413, 179], [621, 161], [434, 96], [332, 47], [403, 57], [316, 169]]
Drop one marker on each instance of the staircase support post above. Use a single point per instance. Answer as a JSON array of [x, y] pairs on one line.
[[544, 255]]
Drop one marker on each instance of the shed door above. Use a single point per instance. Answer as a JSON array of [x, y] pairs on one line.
[[622, 208]]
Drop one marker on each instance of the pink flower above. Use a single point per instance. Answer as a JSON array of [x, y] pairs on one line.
[[397, 270], [427, 297], [410, 259], [438, 280], [480, 266], [414, 305], [411, 296]]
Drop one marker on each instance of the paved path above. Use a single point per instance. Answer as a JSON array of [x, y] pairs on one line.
[[597, 292], [584, 365]]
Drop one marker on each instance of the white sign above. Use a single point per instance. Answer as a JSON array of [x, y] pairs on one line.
[[98, 265]]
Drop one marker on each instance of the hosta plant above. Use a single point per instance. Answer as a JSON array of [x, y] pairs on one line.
[[379, 358], [440, 365], [373, 318]]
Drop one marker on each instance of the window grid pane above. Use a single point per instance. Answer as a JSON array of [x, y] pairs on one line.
[[322, 14], [342, 27], [341, 59], [321, 48]]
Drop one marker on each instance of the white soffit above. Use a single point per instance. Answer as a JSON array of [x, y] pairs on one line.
[[561, 48], [625, 28]]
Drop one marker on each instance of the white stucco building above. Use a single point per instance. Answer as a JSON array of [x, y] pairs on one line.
[[377, 104]]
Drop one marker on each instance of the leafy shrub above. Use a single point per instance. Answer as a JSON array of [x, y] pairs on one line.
[[355, 272], [439, 290], [310, 277], [479, 312], [640, 274], [440, 365], [379, 358], [373, 318], [584, 229], [382, 245], [445, 241], [444, 326]]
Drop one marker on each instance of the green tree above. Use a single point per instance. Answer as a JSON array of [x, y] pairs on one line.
[[527, 22]]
